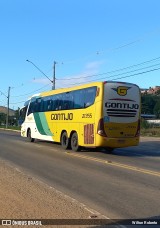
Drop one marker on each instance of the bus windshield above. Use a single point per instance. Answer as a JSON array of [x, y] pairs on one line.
[[22, 113]]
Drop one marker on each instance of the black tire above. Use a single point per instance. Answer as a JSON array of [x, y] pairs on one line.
[[74, 142], [109, 150], [30, 139], [65, 142]]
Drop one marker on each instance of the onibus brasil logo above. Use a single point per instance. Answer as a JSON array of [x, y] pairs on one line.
[[121, 90]]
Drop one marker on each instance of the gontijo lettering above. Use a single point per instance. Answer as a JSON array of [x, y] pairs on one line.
[[121, 105], [62, 116]]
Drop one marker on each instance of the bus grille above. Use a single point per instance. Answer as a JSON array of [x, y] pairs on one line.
[[89, 134], [121, 113]]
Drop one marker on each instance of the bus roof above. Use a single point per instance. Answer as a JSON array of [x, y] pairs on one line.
[[61, 90]]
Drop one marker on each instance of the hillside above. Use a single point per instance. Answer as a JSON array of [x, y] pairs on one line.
[[4, 110]]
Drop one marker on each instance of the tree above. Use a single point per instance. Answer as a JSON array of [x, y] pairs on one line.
[[158, 92], [2, 118], [148, 103], [157, 109]]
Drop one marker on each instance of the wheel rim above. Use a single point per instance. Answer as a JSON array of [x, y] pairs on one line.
[[64, 140], [74, 142]]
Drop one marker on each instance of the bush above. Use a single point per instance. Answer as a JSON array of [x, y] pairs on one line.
[[145, 124]]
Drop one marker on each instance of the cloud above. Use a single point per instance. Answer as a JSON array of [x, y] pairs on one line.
[[94, 65], [89, 73]]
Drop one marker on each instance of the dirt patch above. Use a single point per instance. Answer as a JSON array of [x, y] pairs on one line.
[[23, 197]]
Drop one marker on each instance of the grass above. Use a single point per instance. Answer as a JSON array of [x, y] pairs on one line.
[[12, 127], [148, 129], [154, 132]]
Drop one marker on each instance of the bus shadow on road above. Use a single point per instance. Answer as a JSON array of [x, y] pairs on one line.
[[144, 149]]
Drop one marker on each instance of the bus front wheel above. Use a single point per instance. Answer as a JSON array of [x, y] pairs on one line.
[[29, 136], [65, 140], [74, 142]]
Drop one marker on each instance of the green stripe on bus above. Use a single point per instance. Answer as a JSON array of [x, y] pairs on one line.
[[42, 124], [39, 123], [45, 124]]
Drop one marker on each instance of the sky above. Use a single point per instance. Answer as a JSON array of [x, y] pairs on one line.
[[90, 40]]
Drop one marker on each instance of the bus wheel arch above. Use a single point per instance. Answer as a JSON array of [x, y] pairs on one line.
[[74, 141], [65, 140], [29, 135]]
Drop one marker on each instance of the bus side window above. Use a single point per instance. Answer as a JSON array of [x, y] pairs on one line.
[[45, 105], [55, 102], [53, 98], [49, 105], [69, 97], [78, 97], [41, 106], [60, 102], [37, 107], [67, 101], [90, 94]]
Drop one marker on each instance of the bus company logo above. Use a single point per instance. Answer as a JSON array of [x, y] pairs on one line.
[[121, 90]]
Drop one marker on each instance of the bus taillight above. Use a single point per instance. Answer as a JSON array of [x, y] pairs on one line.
[[100, 129], [97, 92]]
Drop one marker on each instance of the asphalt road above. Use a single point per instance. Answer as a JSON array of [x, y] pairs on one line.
[[121, 185]]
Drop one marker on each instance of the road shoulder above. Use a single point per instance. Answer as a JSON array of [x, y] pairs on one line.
[[22, 196]]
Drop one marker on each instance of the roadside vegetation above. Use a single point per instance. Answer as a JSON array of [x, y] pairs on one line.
[[150, 105], [148, 129], [11, 127]]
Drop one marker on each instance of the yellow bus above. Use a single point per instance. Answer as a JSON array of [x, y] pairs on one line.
[[100, 114]]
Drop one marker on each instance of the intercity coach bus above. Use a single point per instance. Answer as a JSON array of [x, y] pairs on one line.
[[100, 114]]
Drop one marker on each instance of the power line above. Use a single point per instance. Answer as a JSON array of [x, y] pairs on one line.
[[3, 101], [22, 95], [138, 73], [39, 70], [121, 69], [134, 70], [18, 102], [120, 77], [144, 72], [27, 95], [54, 72], [109, 72], [98, 52]]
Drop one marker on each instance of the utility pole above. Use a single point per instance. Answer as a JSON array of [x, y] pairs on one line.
[[54, 72], [8, 97], [54, 75]]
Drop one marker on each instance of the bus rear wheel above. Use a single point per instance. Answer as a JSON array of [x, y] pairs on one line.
[[65, 140], [74, 142], [29, 136], [109, 150]]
